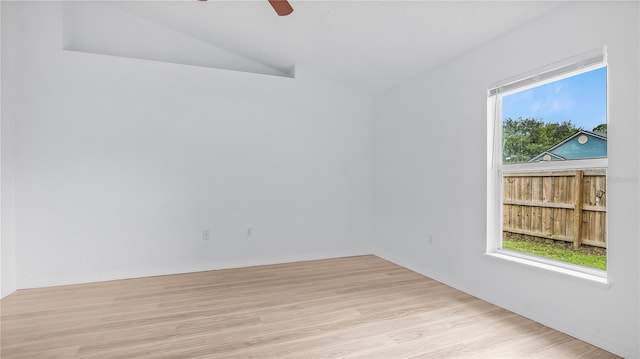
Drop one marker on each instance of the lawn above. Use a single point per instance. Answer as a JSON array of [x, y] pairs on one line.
[[558, 251]]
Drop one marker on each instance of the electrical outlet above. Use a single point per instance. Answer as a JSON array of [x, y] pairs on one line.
[[430, 239], [249, 232], [206, 234]]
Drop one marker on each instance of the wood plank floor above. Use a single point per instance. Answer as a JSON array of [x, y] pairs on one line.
[[356, 307]]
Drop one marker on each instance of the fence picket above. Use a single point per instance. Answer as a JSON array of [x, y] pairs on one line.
[[577, 210]]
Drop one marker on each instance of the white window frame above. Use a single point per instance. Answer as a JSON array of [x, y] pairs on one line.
[[496, 169]]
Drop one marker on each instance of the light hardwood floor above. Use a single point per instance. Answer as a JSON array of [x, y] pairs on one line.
[[356, 307]]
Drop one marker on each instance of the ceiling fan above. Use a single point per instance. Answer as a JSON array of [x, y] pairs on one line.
[[282, 7]]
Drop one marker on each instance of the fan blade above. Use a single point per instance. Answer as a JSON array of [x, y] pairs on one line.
[[282, 7]]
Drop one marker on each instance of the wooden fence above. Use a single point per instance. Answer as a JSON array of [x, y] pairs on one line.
[[561, 205]]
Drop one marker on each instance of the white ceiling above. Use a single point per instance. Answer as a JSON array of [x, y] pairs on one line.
[[368, 45]]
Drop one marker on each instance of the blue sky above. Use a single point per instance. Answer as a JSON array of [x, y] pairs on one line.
[[581, 99]]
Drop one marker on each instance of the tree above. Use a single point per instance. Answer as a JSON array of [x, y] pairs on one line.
[[525, 138], [601, 128]]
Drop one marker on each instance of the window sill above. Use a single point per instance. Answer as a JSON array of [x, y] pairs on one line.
[[592, 279]]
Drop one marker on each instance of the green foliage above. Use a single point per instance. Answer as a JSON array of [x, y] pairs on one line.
[[525, 138], [557, 251], [601, 128]]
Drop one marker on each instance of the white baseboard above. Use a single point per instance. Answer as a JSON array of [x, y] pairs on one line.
[[7, 291], [81, 278]]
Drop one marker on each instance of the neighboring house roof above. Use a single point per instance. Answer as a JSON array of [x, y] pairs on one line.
[[582, 144]]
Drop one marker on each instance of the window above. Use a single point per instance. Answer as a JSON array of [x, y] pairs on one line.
[[548, 165]]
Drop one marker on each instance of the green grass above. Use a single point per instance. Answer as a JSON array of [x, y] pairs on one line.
[[557, 251]]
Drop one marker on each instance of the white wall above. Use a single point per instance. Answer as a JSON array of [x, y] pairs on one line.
[[431, 176], [1, 241], [7, 242], [121, 163]]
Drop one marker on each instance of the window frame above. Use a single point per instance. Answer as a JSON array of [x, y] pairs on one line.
[[496, 169]]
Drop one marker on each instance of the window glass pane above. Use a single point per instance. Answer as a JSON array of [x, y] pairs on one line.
[[549, 210], [561, 120], [559, 215]]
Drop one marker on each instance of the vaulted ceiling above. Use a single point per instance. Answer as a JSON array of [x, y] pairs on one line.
[[370, 46]]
